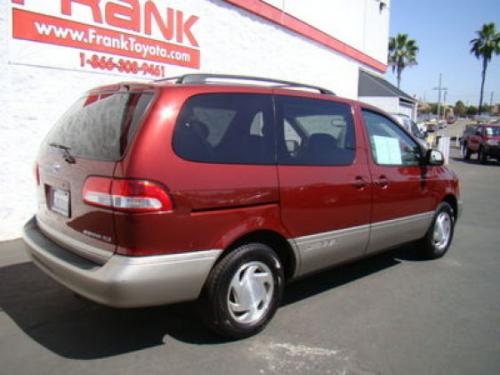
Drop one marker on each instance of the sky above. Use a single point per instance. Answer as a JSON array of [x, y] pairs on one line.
[[443, 29]]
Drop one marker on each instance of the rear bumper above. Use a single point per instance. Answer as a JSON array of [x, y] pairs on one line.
[[122, 281]]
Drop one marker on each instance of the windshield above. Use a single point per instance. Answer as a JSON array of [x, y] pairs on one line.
[[100, 126]]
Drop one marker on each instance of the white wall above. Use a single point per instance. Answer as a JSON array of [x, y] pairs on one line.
[[407, 109], [359, 23], [391, 104], [231, 41]]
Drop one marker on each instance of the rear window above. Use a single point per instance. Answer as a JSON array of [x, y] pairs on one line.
[[100, 126], [226, 128]]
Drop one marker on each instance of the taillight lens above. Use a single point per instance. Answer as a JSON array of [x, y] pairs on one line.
[[126, 195], [36, 172]]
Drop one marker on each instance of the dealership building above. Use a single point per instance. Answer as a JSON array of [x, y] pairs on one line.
[[52, 51]]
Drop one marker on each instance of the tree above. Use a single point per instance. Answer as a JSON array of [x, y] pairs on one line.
[[434, 108], [486, 108], [484, 47], [471, 110], [460, 108], [402, 53]]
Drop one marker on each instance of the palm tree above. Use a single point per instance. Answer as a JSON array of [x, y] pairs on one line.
[[402, 53], [483, 47]]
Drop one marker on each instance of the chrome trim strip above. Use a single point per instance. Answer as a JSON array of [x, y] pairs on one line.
[[78, 247], [403, 219], [389, 233], [172, 259], [310, 240]]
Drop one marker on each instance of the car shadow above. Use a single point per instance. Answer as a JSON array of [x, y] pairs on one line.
[[75, 328], [350, 272]]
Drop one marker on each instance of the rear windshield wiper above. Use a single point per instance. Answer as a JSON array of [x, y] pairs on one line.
[[66, 154]]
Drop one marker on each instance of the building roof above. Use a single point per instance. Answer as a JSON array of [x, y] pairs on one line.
[[372, 85]]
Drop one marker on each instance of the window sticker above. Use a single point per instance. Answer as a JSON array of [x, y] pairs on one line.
[[387, 150]]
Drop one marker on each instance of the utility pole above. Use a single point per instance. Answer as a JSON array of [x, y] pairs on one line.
[[440, 89], [491, 99], [444, 103]]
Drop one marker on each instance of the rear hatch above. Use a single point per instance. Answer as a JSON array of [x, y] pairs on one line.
[[89, 140]]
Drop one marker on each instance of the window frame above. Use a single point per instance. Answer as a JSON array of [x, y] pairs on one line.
[[368, 141], [280, 131]]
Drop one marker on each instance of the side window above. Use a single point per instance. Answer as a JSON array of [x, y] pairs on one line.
[[314, 132], [226, 128], [390, 145]]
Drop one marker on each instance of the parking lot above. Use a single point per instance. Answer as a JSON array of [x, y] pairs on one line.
[[390, 314]]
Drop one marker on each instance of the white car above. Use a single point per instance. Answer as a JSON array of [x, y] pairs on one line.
[[411, 127]]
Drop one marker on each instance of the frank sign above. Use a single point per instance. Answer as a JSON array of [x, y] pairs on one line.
[[134, 37]]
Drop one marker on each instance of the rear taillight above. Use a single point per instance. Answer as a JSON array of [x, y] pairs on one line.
[[126, 195], [36, 172]]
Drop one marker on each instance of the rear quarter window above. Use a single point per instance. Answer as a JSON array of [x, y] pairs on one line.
[[100, 126], [226, 128]]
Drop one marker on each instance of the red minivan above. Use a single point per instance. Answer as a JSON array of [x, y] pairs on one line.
[[224, 188]]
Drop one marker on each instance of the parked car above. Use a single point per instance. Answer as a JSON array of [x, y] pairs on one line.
[[411, 127], [441, 124], [432, 127], [205, 188], [483, 140]]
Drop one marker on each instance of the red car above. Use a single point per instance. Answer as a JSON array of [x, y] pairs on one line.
[[204, 187], [483, 139]]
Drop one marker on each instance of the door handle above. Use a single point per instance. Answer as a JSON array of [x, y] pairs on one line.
[[382, 181], [359, 183]]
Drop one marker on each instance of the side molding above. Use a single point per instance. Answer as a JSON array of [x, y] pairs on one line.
[[322, 250]]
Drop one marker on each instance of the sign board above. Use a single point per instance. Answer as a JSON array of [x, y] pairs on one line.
[[132, 37]]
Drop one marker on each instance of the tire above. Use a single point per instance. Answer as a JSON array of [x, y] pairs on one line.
[[438, 238], [243, 291], [482, 156], [465, 152]]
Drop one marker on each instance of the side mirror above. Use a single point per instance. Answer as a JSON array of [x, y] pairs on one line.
[[434, 157]]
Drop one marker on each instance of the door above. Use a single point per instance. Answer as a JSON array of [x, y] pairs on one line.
[[402, 207], [325, 193]]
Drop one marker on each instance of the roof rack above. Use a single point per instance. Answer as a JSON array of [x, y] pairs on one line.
[[212, 78]]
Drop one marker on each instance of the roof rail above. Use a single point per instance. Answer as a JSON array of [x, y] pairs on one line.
[[211, 78]]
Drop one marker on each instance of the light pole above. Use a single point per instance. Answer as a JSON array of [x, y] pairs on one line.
[[440, 89]]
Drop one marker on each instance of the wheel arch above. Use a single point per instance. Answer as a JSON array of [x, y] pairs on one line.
[[283, 248], [453, 202]]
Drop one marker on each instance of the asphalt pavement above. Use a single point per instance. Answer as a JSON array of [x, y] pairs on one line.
[[390, 314]]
